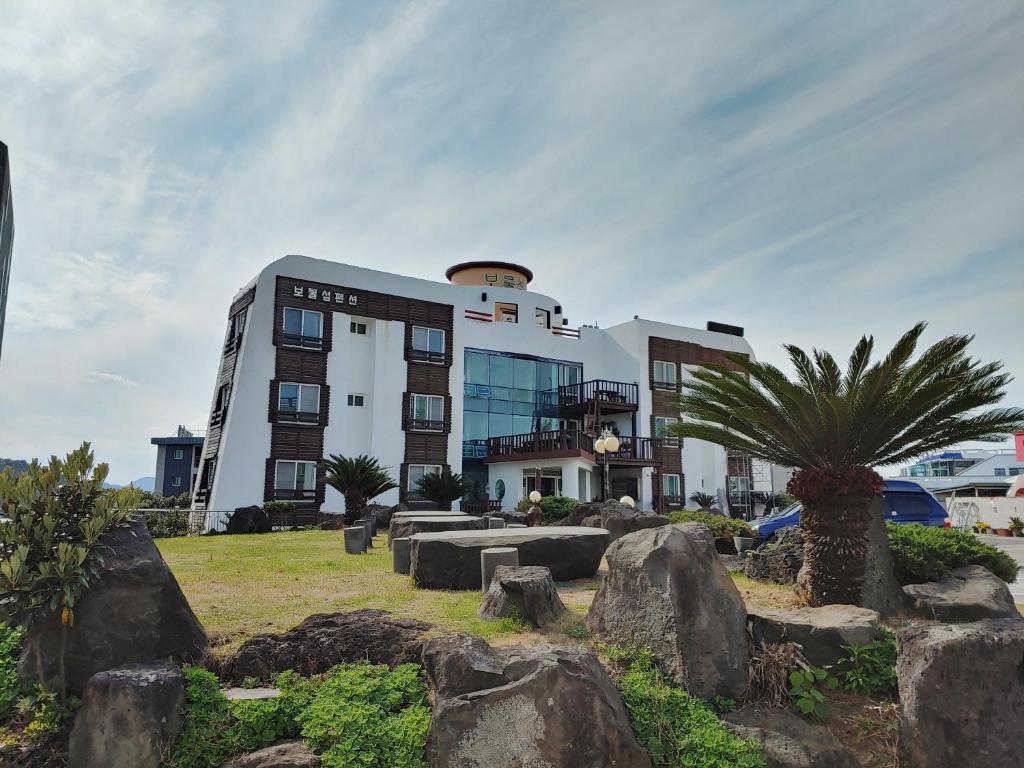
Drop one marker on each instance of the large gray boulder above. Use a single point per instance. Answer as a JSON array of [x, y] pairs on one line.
[[971, 593], [451, 560], [789, 741], [326, 639], [618, 520], [133, 611], [558, 709], [526, 592], [667, 590], [128, 718], [961, 692], [287, 754], [821, 632], [460, 664]]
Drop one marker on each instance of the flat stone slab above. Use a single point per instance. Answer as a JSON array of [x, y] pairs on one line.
[[405, 527], [451, 560], [429, 513], [251, 694]]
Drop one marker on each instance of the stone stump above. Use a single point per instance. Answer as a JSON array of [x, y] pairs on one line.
[[495, 522], [401, 555], [367, 523], [355, 540], [128, 718], [522, 592], [492, 558]]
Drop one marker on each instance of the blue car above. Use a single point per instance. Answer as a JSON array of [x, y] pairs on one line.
[[902, 502]]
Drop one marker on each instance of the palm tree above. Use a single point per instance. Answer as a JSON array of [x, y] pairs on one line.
[[703, 500], [358, 479], [443, 489], [834, 427]]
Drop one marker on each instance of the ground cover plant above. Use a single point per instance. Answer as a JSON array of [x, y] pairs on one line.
[[678, 730], [834, 426], [722, 528], [923, 553]]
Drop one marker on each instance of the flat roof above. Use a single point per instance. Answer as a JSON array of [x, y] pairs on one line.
[[177, 440]]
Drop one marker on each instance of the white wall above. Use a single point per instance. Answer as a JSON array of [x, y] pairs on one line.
[[995, 511]]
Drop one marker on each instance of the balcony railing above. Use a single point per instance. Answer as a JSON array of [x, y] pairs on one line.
[[539, 442], [217, 418], [423, 425], [613, 393], [295, 494], [299, 417], [426, 356], [306, 342], [638, 449]]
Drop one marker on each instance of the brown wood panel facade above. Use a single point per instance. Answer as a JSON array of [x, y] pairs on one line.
[[309, 366]]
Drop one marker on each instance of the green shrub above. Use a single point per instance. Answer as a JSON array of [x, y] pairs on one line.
[[678, 730], [283, 507], [805, 690], [721, 527], [870, 669], [165, 523], [924, 553], [553, 508], [369, 716], [10, 649]]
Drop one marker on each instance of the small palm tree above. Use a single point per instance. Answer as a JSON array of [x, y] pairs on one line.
[[834, 427], [703, 500], [443, 489], [358, 479]]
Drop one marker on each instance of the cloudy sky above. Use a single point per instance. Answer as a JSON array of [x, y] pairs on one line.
[[810, 171]]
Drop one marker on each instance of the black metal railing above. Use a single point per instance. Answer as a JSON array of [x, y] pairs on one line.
[[423, 425], [295, 494], [426, 356], [540, 442], [232, 344], [300, 417], [217, 418], [615, 393], [667, 385], [481, 507], [306, 342], [637, 449]]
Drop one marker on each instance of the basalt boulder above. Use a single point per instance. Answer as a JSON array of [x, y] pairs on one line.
[[667, 590], [789, 741], [249, 520], [820, 632], [287, 754], [971, 593], [460, 664], [778, 561]]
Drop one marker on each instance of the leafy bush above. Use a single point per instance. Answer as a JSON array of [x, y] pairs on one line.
[[152, 500], [923, 553], [10, 648], [271, 507], [721, 527], [370, 716], [553, 508], [870, 669], [805, 690], [165, 523], [678, 730]]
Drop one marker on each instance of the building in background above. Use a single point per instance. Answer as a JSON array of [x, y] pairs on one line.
[[478, 374], [177, 461], [948, 463], [6, 236], [977, 472]]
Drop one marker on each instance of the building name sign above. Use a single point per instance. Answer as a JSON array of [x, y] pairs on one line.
[[328, 297], [504, 281]]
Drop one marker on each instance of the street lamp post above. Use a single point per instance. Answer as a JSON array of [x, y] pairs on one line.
[[605, 444]]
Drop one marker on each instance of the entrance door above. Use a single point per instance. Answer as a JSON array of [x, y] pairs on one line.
[[625, 486]]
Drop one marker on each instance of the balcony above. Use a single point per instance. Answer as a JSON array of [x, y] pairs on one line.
[[423, 425], [609, 396], [298, 417], [425, 356], [304, 342], [295, 494], [563, 443]]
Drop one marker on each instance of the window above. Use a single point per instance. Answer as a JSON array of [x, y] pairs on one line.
[[1000, 471], [295, 480], [179, 454], [356, 400], [427, 344], [176, 482], [661, 427], [543, 318], [303, 328], [426, 412], [298, 402], [670, 485], [548, 481], [417, 473], [505, 312], [1016, 470], [664, 375], [357, 328], [236, 325]]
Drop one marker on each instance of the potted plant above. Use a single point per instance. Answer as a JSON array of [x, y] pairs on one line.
[[982, 527], [1016, 527], [744, 538]]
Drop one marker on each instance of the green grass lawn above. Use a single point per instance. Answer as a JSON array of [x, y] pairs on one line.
[[240, 586]]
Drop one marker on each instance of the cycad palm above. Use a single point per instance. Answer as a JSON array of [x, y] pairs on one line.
[[443, 488], [834, 427], [358, 479]]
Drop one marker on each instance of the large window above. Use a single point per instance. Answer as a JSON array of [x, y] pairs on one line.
[[428, 344], [665, 375], [295, 480], [426, 412], [662, 424], [298, 402], [303, 328], [548, 481], [543, 318], [672, 488], [416, 473]]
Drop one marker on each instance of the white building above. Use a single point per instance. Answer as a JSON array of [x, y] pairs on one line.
[[478, 374]]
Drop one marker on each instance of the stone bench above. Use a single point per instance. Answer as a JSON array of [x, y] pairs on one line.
[[451, 560], [405, 527]]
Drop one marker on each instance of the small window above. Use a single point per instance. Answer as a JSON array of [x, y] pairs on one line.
[[1001, 471], [179, 454], [428, 344], [505, 312], [298, 402], [303, 328], [295, 480], [1016, 470], [664, 375], [356, 400], [176, 482], [661, 429], [543, 318], [417, 472], [426, 412], [670, 485], [357, 328]]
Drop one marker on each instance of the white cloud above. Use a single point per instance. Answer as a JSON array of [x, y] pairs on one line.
[[100, 377]]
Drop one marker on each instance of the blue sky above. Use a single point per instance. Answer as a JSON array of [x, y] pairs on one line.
[[811, 171]]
